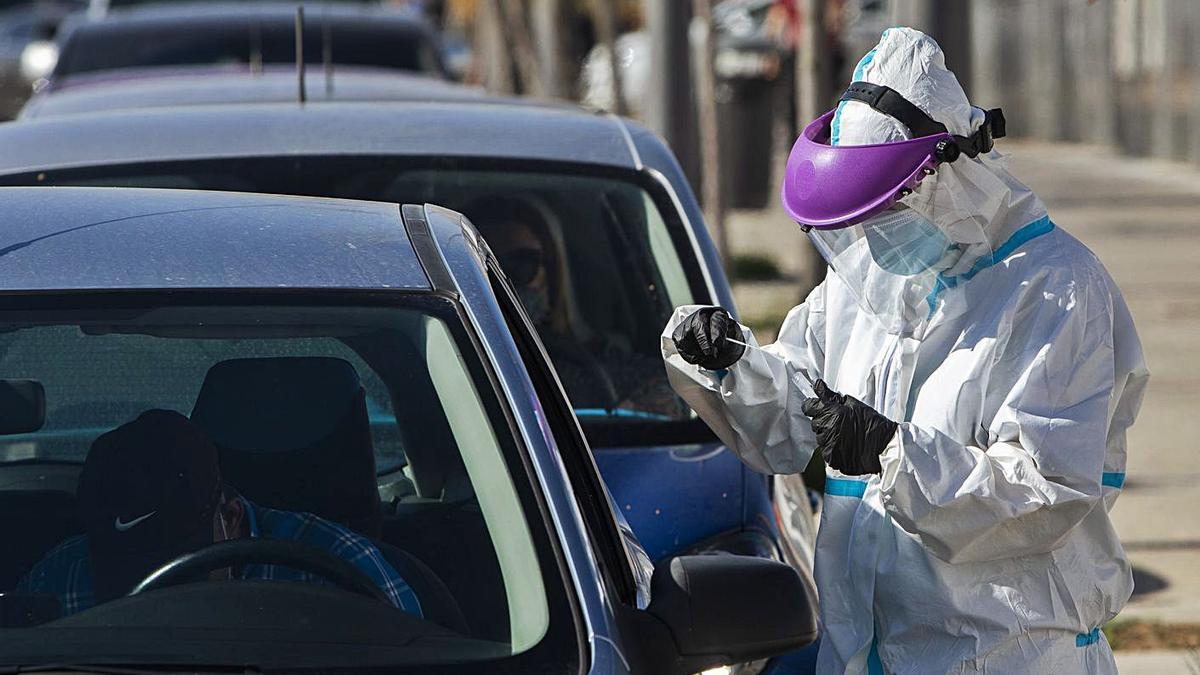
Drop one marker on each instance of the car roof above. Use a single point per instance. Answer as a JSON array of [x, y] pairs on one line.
[[169, 86], [153, 19], [162, 13], [74, 239], [496, 130], [144, 25]]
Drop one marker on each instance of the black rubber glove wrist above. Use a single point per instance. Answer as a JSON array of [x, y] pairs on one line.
[[850, 434], [700, 339]]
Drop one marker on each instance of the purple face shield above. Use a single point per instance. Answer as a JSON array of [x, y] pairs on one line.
[[830, 187]]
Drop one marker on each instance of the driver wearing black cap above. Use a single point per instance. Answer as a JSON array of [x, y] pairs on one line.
[[151, 491]]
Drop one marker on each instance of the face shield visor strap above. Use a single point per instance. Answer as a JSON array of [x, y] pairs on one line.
[[831, 187], [889, 102]]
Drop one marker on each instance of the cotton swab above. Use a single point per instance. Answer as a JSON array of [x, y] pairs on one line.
[[802, 373]]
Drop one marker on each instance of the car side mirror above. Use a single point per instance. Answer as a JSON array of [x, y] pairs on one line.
[[724, 609]]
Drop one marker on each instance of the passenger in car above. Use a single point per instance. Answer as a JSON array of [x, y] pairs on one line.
[[150, 491]]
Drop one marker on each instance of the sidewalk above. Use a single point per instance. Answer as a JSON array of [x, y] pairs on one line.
[[1157, 663]]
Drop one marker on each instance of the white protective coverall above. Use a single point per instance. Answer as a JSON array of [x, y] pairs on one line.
[[985, 545]]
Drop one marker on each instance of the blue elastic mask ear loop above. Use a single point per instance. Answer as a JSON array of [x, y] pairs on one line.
[[835, 128], [1019, 238]]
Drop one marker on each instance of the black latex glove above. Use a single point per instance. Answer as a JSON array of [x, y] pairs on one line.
[[850, 434], [700, 339]]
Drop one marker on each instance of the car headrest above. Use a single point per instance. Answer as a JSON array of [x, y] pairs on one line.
[[294, 434], [22, 406]]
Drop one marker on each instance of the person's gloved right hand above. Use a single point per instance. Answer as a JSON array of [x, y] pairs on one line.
[[700, 339], [850, 434]]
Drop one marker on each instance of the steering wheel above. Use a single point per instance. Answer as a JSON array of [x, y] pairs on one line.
[[238, 552]]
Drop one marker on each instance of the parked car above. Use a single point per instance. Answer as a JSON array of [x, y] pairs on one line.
[[168, 87], [616, 216], [245, 37], [26, 30], [343, 332], [98, 9]]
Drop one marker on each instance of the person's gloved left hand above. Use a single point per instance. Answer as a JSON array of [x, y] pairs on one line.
[[700, 338], [850, 434]]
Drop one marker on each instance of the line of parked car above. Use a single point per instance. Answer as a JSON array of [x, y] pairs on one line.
[[497, 273]]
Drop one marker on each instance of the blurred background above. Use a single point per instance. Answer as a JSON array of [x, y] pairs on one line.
[[1103, 114]]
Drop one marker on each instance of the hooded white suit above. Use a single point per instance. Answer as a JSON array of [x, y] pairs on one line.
[[985, 544]]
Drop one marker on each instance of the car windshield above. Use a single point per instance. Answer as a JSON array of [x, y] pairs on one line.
[[600, 262], [245, 43], [365, 440]]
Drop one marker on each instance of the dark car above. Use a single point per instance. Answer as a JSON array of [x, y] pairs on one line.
[[168, 87], [617, 222], [101, 8], [244, 36], [26, 50], [363, 368]]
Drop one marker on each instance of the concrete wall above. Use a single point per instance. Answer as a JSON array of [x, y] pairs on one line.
[[1122, 73]]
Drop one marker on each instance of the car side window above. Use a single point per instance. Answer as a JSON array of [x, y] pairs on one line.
[[618, 562]]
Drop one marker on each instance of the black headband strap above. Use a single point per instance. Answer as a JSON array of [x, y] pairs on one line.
[[889, 102]]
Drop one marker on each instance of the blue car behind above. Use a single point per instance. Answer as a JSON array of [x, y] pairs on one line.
[[620, 213]]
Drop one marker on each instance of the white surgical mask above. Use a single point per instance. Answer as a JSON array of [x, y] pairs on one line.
[[904, 242]]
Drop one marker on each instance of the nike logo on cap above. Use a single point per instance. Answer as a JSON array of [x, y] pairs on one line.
[[124, 526]]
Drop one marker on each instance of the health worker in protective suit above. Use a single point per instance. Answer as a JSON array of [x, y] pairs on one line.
[[975, 372]]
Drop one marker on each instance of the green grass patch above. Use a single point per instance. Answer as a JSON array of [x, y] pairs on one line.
[[765, 325], [754, 267], [1139, 634]]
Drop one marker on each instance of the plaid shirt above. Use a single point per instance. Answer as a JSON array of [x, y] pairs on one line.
[[66, 571]]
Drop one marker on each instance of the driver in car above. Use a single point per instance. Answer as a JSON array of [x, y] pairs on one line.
[[150, 491], [595, 374]]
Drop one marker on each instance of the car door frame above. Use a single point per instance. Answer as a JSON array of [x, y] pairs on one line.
[[454, 258]]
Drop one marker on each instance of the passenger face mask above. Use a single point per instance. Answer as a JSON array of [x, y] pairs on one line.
[[537, 304]]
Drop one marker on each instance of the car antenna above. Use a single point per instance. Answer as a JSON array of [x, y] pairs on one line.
[[97, 10], [256, 51], [327, 49], [301, 93]]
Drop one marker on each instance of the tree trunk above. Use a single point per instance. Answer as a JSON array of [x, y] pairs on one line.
[[604, 18], [812, 91], [710, 141], [491, 49], [550, 24], [669, 109], [520, 44]]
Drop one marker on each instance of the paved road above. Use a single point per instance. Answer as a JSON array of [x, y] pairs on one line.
[[1143, 219], [1158, 663]]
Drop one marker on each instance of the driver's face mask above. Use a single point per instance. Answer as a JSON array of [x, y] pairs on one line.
[[537, 303]]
